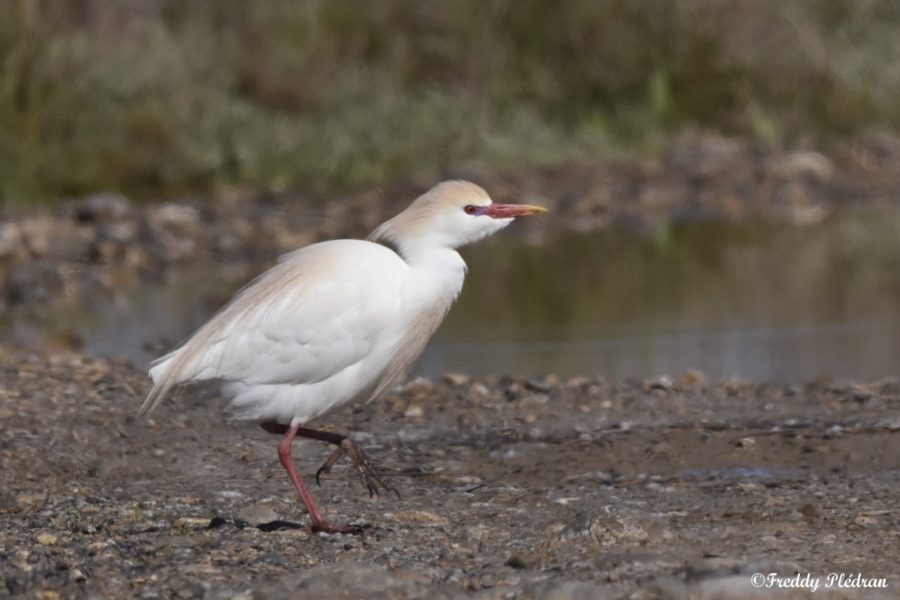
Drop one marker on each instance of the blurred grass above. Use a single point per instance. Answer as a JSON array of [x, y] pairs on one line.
[[161, 97]]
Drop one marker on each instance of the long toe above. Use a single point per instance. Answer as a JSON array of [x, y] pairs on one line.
[[367, 471], [326, 466]]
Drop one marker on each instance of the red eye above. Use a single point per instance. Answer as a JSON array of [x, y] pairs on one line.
[[470, 209]]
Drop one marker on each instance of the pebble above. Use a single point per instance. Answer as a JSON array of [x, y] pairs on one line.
[[10, 240], [809, 512], [414, 411], [575, 383], [101, 208], [456, 379], [663, 382], [801, 164], [255, 515], [191, 523], [229, 494], [420, 516], [691, 378], [865, 521], [46, 539], [542, 384], [478, 391]]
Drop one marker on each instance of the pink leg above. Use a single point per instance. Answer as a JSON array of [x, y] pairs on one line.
[[319, 523], [344, 444]]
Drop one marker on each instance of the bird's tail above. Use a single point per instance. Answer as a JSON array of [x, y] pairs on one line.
[[207, 347], [163, 382], [182, 365]]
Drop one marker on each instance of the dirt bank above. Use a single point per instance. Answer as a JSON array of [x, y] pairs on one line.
[[510, 489]]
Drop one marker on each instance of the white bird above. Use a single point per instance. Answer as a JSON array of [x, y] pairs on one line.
[[337, 322]]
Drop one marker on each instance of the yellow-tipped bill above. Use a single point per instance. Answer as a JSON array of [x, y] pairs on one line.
[[511, 211]]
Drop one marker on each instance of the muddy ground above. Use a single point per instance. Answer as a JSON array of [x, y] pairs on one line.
[[510, 489]]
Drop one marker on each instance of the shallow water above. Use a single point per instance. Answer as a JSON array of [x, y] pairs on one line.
[[757, 301]]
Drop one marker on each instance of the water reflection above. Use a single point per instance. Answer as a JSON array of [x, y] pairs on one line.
[[760, 301]]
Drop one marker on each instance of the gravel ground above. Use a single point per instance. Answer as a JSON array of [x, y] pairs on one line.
[[510, 489]]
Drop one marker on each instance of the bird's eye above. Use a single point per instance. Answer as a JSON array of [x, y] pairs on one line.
[[470, 209]]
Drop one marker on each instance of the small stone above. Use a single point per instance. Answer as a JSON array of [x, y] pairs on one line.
[[691, 378], [10, 240], [46, 539], [101, 207], [809, 512], [663, 382], [178, 215], [478, 391], [414, 411], [513, 392], [542, 384], [861, 394], [468, 480], [456, 379], [803, 164], [601, 477], [865, 520], [747, 442], [229, 494], [191, 523], [575, 383], [255, 515], [420, 516]]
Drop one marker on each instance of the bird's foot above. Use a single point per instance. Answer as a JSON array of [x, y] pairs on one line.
[[364, 466]]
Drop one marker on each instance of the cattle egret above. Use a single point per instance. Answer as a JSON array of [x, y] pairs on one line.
[[337, 322]]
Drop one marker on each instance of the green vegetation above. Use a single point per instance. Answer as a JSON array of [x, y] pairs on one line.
[[160, 97]]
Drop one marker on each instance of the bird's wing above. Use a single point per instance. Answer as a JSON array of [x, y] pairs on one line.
[[320, 310]]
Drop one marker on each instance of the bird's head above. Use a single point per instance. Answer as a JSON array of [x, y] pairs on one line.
[[450, 215]]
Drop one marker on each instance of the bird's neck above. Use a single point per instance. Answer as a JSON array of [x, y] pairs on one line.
[[437, 268], [438, 272]]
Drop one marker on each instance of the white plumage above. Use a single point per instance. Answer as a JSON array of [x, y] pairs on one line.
[[337, 321], [315, 331]]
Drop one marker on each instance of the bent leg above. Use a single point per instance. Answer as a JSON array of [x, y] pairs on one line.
[[367, 471]]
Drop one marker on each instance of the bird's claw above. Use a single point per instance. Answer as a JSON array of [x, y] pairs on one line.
[[367, 471]]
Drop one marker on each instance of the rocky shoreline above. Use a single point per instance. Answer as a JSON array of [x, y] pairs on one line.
[[102, 242], [539, 488]]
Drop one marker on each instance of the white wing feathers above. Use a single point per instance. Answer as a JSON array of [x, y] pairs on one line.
[[319, 311]]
